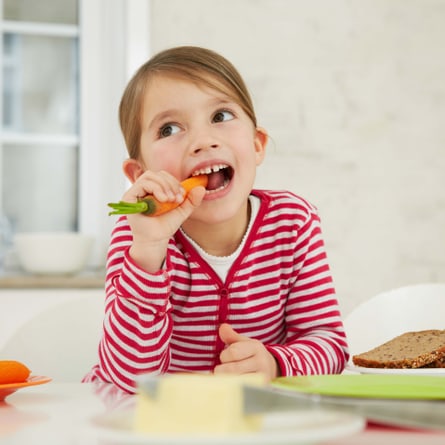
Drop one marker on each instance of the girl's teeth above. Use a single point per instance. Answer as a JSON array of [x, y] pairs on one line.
[[208, 170]]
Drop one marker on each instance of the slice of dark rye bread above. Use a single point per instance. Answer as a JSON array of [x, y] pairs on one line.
[[417, 349]]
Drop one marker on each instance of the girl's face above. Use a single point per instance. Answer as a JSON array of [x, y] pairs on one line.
[[187, 129]]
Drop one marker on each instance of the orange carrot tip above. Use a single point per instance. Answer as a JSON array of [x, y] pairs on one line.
[[150, 206]]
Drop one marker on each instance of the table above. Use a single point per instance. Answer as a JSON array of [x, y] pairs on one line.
[[60, 413], [93, 279]]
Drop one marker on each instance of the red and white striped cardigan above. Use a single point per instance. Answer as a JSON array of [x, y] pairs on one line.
[[279, 290]]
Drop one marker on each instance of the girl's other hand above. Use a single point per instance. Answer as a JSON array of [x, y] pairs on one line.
[[244, 355]]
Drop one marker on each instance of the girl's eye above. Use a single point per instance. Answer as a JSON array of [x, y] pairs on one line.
[[223, 115], [168, 130]]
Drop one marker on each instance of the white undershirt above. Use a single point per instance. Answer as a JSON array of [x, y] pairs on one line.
[[222, 264]]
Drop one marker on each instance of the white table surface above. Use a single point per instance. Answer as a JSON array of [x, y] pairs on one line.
[[61, 413]]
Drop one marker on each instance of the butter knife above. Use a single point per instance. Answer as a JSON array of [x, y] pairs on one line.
[[421, 414]]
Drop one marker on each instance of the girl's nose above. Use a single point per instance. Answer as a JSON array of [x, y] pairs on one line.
[[203, 142], [200, 148]]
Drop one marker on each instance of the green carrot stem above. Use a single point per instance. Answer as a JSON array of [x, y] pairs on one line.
[[125, 208]]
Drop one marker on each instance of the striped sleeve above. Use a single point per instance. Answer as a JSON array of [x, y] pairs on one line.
[[137, 325], [315, 339]]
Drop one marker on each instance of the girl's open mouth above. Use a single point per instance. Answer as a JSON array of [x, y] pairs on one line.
[[219, 176]]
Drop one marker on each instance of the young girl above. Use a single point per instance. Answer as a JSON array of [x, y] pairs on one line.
[[234, 280]]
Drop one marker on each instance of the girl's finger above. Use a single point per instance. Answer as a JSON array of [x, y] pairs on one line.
[[162, 185]]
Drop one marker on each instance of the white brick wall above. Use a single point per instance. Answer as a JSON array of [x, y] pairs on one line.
[[353, 96]]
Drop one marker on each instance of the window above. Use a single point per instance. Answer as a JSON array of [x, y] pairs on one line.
[[40, 129], [64, 66]]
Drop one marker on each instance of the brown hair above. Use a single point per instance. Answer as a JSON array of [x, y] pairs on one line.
[[196, 64]]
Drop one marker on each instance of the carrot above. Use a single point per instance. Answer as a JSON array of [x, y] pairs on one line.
[[150, 206], [12, 371]]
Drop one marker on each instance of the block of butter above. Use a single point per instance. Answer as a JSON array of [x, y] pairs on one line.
[[196, 404]]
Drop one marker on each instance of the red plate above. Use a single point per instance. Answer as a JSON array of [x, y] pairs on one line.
[[8, 388]]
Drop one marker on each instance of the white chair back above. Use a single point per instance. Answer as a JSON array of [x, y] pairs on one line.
[[59, 341], [386, 315]]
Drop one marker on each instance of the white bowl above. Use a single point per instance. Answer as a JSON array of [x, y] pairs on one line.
[[53, 253]]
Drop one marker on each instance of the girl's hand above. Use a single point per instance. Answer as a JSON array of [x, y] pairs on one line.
[[244, 355], [151, 234]]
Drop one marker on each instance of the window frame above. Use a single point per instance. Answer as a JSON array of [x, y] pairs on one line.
[[112, 46]]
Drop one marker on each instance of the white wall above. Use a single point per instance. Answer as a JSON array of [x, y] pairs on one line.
[[353, 96]]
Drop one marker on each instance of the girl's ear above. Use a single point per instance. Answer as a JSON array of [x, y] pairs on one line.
[[261, 139], [132, 169]]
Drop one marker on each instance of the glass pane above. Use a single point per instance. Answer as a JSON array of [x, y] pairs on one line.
[[47, 11], [40, 89], [40, 187]]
